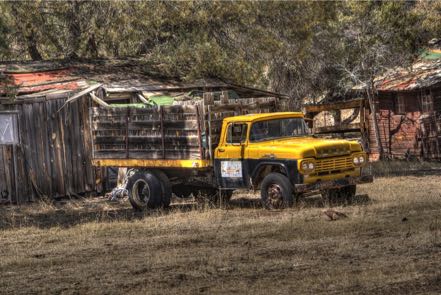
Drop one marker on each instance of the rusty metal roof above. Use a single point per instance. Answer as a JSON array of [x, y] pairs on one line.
[[33, 79], [424, 73]]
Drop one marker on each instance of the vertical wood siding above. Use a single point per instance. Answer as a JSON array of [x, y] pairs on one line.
[[54, 156]]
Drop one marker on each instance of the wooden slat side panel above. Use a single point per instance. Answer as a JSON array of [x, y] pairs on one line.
[[141, 132]]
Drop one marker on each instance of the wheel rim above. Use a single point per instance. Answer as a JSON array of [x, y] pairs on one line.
[[141, 191], [275, 196]]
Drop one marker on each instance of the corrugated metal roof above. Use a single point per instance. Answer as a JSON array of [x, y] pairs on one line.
[[425, 72]]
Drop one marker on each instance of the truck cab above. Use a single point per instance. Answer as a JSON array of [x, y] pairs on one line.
[[276, 153]]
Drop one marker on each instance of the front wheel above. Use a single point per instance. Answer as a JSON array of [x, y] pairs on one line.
[[276, 191]]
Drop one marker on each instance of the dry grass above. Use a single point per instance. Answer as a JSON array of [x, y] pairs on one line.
[[404, 167], [388, 245]]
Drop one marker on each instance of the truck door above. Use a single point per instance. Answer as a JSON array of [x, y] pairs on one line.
[[230, 168]]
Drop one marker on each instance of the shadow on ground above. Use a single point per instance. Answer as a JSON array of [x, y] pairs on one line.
[[63, 216]]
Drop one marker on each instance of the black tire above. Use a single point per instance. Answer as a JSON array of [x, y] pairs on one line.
[[339, 196], [144, 190], [276, 191], [165, 187], [348, 193], [330, 197], [183, 191]]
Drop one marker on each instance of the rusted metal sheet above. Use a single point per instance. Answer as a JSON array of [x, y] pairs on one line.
[[32, 82], [422, 74]]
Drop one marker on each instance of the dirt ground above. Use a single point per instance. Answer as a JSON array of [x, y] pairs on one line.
[[389, 244]]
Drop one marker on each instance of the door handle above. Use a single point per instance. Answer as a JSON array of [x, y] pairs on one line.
[[221, 150]]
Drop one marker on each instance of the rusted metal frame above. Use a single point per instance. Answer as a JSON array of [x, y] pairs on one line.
[[198, 118], [161, 118]]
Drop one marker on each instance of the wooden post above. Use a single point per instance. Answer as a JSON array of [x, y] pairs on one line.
[[208, 98], [373, 108], [225, 97], [127, 132], [210, 144], [161, 118], [198, 118]]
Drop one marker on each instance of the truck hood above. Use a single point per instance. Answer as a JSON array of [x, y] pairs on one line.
[[306, 147]]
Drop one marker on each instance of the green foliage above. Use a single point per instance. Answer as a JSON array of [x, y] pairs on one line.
[[299, 48]]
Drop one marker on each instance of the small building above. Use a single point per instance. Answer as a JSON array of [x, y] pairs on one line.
[[45, 134], [407, 112]]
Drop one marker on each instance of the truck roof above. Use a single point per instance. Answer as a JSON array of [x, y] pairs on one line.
[[264, 116]]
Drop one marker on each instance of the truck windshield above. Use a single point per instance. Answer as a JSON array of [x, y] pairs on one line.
[[278, 128]]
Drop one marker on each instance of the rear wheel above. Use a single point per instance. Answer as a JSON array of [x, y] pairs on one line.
[[144, 190], [276, 191], [165, 187]]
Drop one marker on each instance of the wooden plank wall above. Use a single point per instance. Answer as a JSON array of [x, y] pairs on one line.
[[54, 156], [6, 185]]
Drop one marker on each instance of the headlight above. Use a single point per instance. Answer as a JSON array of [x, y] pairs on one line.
[[358, 160], [307, 166]]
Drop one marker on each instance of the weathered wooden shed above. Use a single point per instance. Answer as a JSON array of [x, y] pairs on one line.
[[407, 112], [52, 153]]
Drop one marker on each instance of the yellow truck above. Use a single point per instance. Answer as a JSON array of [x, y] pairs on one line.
[[188, 151]]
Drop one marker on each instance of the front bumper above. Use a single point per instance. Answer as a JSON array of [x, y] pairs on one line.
[[338, 183]]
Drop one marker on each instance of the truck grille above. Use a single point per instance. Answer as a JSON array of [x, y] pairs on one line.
[[336, 164]]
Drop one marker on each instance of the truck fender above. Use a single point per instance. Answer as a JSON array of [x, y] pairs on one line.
[[258, 169]]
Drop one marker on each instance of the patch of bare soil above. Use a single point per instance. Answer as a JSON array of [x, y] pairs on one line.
[[388, 243]]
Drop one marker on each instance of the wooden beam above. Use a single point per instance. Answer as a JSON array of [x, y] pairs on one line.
[[79, 94], [339, 128], [98, 100], [333, 106]]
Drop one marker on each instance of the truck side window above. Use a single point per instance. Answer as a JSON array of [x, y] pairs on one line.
[[236, 133]]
